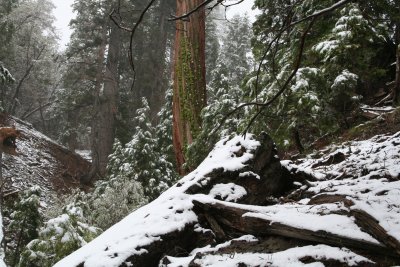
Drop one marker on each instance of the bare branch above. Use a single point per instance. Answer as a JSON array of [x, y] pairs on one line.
[[289, 79], [234, 4], [313, 17], [130, 52], [186, 15], [118, 24]]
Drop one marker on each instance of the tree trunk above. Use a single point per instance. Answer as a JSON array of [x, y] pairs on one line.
[[105, 105], [189, 77], [396, 88], [72, 137], [109, 100], [159, 83]]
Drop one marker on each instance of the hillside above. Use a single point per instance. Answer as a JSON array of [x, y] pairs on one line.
[[244, 207], [40, 161]]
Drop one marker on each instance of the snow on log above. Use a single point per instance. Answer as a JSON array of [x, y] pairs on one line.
[[339, 208], [244, 170]]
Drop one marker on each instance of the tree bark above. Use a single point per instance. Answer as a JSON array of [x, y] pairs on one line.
[[232, 219], [396, 88], [108, 107], [189, 77], [95, 129]]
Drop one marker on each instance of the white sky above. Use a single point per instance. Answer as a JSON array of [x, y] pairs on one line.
[[63, 14]]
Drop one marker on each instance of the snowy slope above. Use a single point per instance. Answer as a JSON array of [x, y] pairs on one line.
[[329, 191], [40, 161]]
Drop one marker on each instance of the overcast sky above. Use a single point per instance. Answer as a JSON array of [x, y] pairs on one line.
[[63, 14]]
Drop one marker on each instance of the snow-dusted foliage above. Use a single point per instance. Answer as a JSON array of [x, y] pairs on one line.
[[5, 75], [336, 69], [225, 90], [58, 238], [115, 197], [139, 160], [22, 221]]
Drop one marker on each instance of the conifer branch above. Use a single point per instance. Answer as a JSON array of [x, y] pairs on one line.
[[313, 17]]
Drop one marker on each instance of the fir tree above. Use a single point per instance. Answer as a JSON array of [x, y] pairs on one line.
[[140, 160]]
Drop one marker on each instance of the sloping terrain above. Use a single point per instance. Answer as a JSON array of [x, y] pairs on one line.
[[40, 161], [244, 207]]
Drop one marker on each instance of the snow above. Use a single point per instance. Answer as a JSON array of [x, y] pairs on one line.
[[169, 212], [368, 176], [2, 264], [86, 154], [228, 192], [287, 258], [249, 173], [373, 171]]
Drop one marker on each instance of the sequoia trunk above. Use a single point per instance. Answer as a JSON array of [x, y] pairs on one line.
[[189, 77]]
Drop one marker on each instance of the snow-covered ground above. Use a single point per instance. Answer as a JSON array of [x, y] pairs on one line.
[[366, 173]]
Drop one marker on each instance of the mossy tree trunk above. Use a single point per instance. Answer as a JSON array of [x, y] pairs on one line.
[[189, 77]]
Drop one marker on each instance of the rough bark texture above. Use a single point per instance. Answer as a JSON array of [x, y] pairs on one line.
[[189, 77], [232, 219]]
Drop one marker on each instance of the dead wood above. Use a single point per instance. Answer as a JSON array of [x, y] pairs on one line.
[[265, 175], [8, 136], [230, 217], [370, 225]]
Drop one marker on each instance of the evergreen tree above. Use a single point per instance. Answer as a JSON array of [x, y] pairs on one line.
[[58, 238], [328, 86], [140, 160], [166, 159], [24, 220], [225, 90]]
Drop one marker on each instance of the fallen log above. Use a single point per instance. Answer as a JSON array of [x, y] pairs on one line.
[[8, 136], [370, 225], [261, 177], [231, 218], [363, 219]]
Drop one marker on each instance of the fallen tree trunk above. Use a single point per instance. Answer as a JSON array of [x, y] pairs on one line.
[[370, 225], [231, 218]]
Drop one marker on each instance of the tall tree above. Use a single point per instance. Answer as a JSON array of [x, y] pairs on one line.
[[103, 127], [189, 76]]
